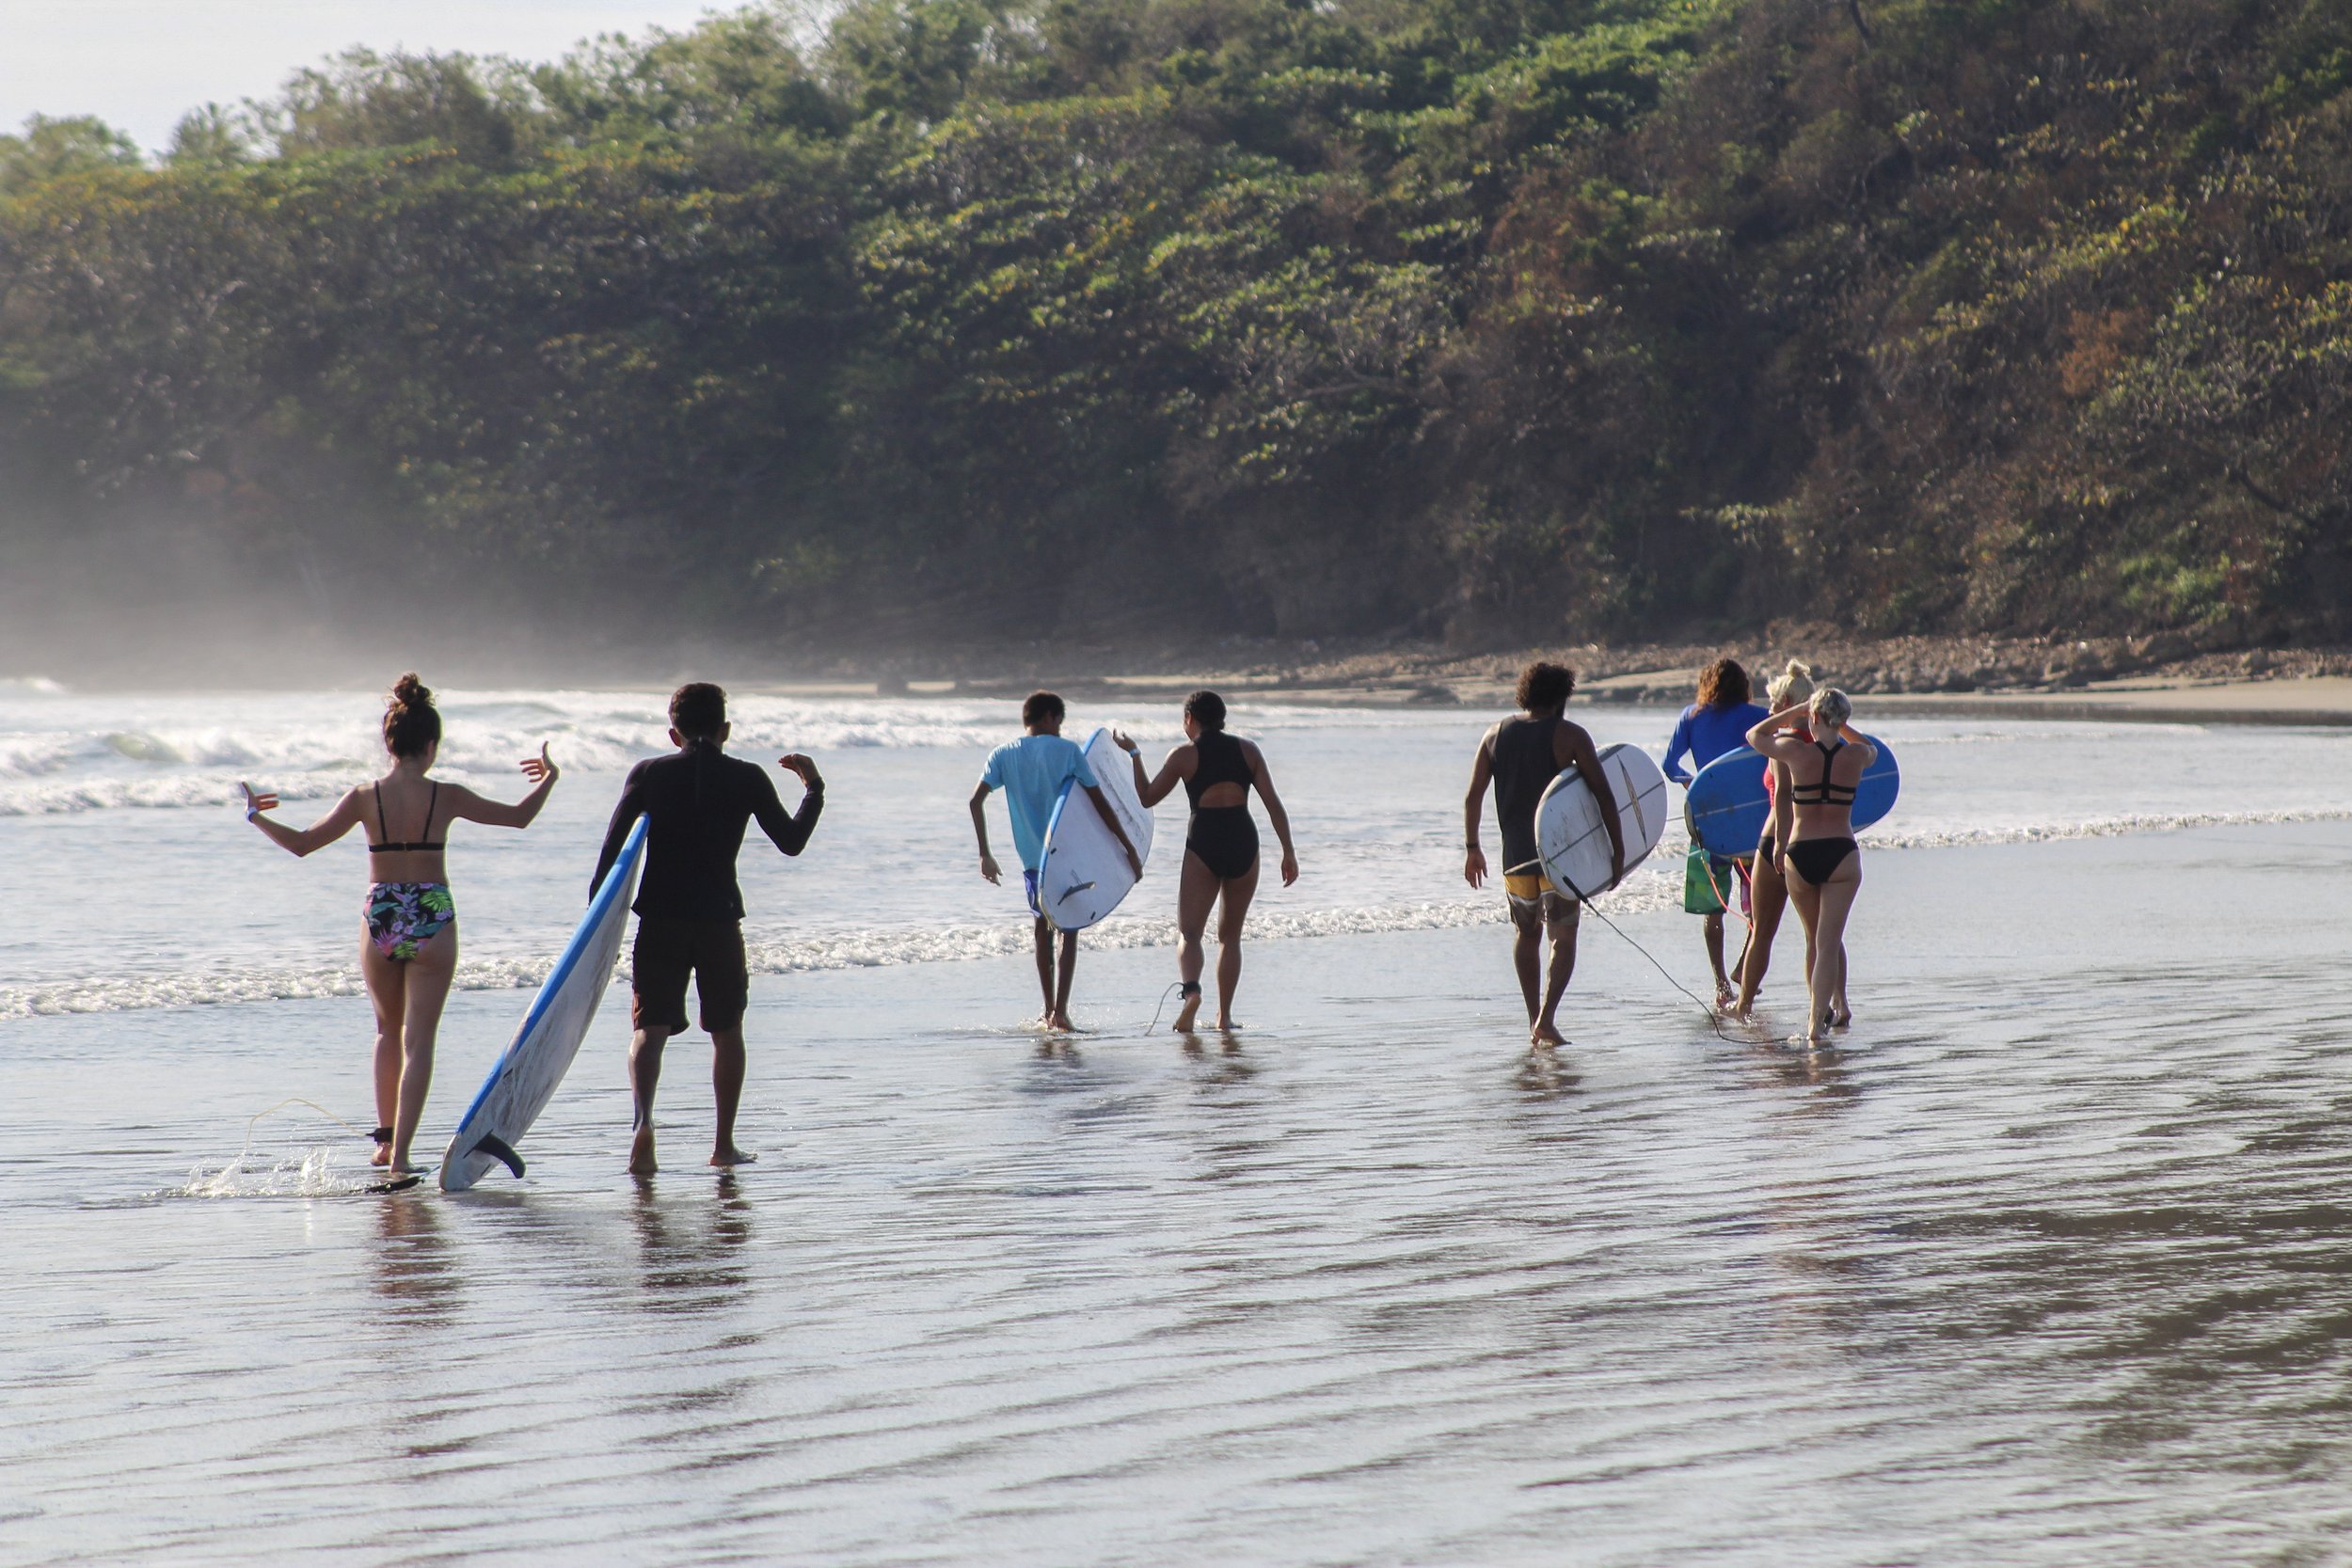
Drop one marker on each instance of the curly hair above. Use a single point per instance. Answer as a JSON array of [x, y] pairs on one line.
[[1544, 685], [1724, 684]]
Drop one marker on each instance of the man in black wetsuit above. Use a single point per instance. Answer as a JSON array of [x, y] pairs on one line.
[[1520, 758], [689, 912]]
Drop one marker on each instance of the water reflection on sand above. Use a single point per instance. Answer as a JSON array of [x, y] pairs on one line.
[[2048, 1261]]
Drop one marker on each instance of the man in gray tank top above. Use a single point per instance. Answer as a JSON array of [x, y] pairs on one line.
[[1520, 758]]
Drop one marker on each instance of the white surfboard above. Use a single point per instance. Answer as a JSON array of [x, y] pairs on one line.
[[1569, 835], [1086, 872], [535, 1062]]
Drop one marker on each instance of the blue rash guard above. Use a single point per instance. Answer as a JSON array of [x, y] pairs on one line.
[[1707, 733]]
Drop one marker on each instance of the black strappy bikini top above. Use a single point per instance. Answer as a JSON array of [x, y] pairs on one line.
[[1824, 793], [421, 846]]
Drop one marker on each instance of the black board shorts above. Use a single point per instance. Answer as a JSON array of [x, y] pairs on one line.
[[667, 951]]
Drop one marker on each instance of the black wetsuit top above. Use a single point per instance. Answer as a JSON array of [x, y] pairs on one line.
[[699, 799], [1524, 767]]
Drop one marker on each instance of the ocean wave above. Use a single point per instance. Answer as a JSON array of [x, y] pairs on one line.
[[2123, 824], [154, 752]]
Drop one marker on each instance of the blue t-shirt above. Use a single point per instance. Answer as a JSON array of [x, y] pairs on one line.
[[1708, 733], [1032, 772]]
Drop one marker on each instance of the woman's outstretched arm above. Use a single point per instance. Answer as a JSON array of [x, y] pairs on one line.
[[300, 841], [540, 770]]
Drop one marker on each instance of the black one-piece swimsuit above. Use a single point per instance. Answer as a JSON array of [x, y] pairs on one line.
[[1224, 837]]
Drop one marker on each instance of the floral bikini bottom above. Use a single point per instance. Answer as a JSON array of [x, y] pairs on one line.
[[404, 916]]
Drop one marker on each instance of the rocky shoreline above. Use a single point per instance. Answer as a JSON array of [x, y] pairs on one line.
[[1636, 673]]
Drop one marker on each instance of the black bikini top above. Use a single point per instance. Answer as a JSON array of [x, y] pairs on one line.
[[421, 846], [1221, 761], [1825, 793]]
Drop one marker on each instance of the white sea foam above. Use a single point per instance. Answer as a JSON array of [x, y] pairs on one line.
[[1655, 885], [94, 754], [302, 1173]]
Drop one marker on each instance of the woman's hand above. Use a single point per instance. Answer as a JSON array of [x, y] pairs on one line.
[[255, 803], [1290, 865], [541, 766], [1119, 740], [803, 766]]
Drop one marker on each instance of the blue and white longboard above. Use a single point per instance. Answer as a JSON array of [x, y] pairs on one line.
[[1086, 872], [526, 1076]]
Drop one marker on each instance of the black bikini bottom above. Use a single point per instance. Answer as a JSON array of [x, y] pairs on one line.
[[1817, 859], [1225, 839]]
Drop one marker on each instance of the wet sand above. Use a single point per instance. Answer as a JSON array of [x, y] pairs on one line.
[[2050, 1263]]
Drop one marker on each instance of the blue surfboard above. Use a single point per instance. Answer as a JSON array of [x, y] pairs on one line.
[[527, 1072], [1726, 806]]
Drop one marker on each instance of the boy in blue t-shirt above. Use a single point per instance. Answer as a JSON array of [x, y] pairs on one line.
[[1032, 772]]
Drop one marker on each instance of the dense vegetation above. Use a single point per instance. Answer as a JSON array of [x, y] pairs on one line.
[[1489, 318]]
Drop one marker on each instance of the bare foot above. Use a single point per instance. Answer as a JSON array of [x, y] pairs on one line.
[[640, 1152], [1546, 1032], [727, 1154], [1842, 1018], [1724, 995], [383, 1155], [1187, 1014], [1225, 1026], [400, 1167], [1061, 1022]]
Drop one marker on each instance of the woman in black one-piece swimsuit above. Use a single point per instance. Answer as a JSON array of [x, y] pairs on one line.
[[1217, 771]]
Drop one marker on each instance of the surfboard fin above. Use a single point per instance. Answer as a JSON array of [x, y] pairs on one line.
[[497, 1149]]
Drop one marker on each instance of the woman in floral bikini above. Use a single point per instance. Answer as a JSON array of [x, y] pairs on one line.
[[409, 951]]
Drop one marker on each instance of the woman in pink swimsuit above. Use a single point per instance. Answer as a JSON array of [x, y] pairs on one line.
[[408, 952]]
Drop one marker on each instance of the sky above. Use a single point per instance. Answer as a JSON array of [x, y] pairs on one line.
[[139, 65]]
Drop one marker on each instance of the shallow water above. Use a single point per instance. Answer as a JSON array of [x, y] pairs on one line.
[[2049, 1262]]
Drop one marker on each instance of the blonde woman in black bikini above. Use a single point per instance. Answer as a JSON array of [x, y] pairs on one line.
[[408, 951], [1821, 861], [1217, 771]]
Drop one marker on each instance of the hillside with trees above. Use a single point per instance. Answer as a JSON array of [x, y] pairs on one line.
[[1484, 320]]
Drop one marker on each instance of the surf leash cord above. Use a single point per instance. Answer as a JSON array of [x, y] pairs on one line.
[[1714, 1020]]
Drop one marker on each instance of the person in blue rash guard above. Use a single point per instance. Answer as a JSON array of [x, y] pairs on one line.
[[1718, 723], [1032, 772]]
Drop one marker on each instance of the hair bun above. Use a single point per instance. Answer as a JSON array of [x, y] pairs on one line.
[[408, 691], [1800, 669]]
